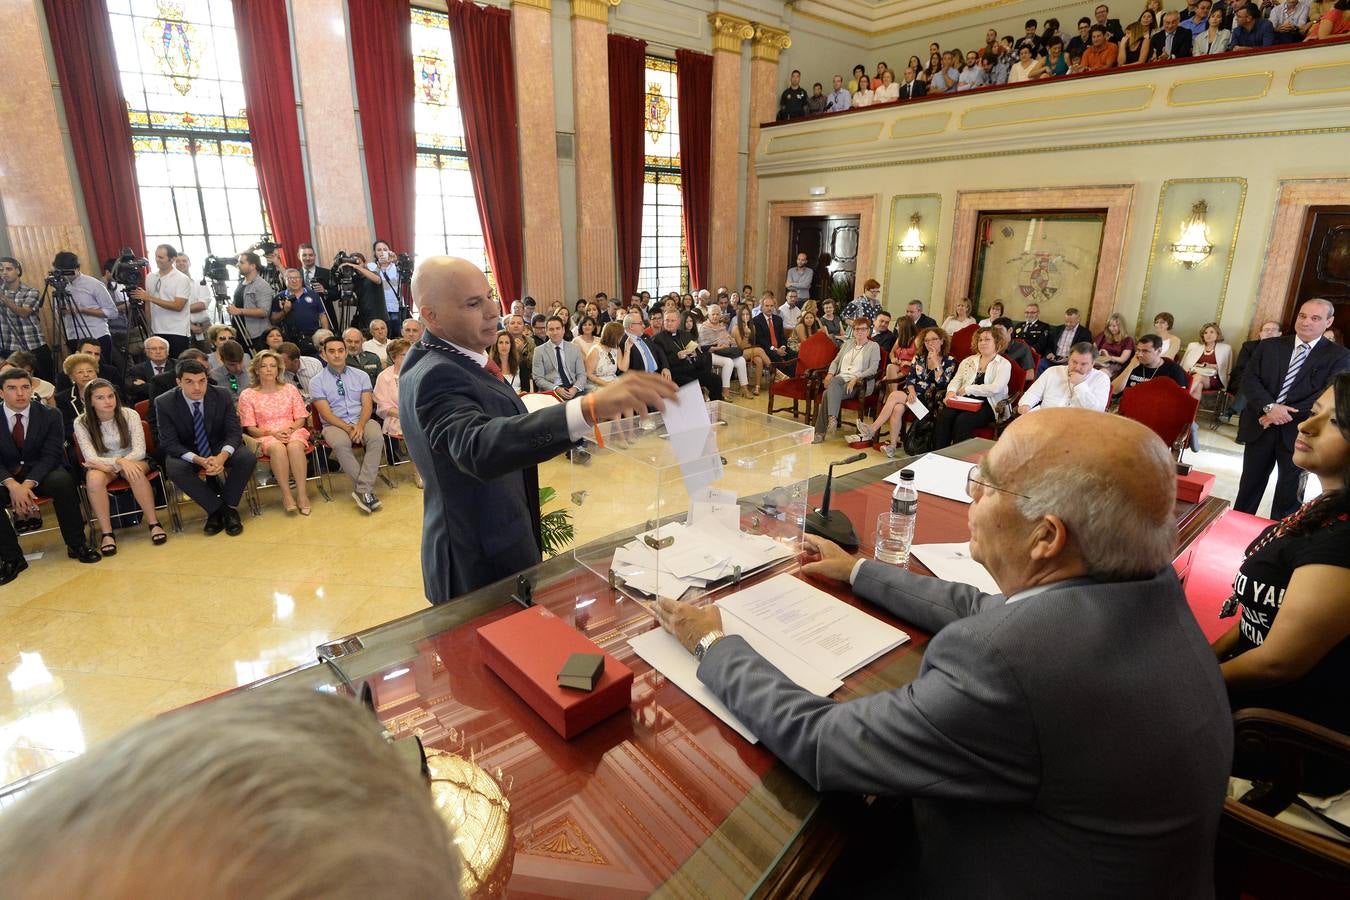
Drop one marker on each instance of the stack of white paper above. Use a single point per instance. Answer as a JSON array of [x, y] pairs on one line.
[[953, 562], [698, 555], [940, 476]]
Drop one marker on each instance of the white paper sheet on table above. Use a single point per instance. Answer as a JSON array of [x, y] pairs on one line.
[[663, 653], [938, 475], [916, 406], [952, 562]]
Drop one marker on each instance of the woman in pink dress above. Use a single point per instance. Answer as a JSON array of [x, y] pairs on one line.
[[273, 412], [386, 396]]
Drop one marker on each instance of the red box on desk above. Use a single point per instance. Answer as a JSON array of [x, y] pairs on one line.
[[1194, 487], [527, 649]]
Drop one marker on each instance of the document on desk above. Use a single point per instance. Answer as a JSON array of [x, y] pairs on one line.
[[940, 476], [952, 562], [827, 635]]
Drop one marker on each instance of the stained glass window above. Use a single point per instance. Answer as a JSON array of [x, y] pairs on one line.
[[446, 217], [664, 266], [179, 65]]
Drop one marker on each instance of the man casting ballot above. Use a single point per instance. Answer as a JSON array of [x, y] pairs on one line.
[[474, 443], [1068, 737]]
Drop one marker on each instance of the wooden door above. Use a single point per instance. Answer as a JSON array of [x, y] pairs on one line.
[[1325, 269], [831, 247]]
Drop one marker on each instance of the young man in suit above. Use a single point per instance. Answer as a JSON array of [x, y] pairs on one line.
[[316, 278], [1060, 341], [474, 443], [558, 366], [32, 454], [1281, 382], [1038, 711], [199, 435], [686, 364]]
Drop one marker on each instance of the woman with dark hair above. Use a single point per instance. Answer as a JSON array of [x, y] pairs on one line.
[[507, 356], [743, 333], [588, 336], [929, 373], [607, 361], [112, 446], [830, 321], [273, 338], [524, 346], [1290, 650]]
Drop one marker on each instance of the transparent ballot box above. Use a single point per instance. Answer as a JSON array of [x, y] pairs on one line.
[[679, 515]]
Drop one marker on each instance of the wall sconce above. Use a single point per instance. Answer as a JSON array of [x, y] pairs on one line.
[[912, 246], [1193, 247]]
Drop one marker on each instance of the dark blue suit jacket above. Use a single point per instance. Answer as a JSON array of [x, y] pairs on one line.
[[476, 447], [44, 443], [173, 422], [1264, 375]]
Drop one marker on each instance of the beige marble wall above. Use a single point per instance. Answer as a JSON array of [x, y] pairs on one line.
[[596, 267], [38, 184], [531, 41], [726, 91], [341, 214], [763, 107]]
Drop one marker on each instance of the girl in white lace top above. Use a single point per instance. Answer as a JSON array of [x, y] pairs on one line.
[[112, 446]]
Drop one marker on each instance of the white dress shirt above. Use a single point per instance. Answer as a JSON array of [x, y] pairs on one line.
[[1052, 389], [576, 422]]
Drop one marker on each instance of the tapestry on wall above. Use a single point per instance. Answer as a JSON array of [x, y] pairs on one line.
[[1049, 259]]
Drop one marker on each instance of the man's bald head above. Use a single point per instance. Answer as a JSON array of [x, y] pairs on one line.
[[452, 296]]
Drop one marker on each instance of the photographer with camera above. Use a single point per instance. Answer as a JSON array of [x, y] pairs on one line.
[[86, 308], [387, 271], [252, 306], [200, 314], [167, 294], [299, 312], [20, 325]]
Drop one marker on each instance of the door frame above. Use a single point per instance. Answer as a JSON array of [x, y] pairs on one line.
[[781, 213], [1285, 253]]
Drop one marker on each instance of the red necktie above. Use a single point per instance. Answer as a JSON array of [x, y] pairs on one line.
[[494, 370], [773, 333], [18, 430]]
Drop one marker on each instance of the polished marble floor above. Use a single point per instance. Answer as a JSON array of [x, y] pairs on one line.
[[87, 650]]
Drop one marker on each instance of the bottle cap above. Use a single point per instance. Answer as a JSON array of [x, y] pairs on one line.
[[906, 474]]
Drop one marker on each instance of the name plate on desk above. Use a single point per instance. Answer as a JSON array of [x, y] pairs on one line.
[[528, 649]]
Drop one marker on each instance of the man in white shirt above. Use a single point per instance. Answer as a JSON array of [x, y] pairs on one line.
[[838, 99], [1075, 383], [379, 340], [1290, 21], [166, 296], [791, 310], [201, 301]]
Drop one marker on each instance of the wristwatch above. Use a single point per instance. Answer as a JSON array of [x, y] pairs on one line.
[[1267, 408], [707, 641]]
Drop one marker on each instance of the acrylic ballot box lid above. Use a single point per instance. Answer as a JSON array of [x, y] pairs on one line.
[[710, 505]]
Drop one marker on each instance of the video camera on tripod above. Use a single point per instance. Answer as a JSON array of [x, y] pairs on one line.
[[269, 271], [128, 269], [344, 284]]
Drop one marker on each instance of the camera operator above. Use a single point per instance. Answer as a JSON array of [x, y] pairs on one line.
[[200, 316], [299, 312], [166, 295], [90, 307], [252, 300], [383, 271], [20, 325], [316, 278]]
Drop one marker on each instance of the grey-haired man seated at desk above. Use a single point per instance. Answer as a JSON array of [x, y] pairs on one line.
[[1069, 736]]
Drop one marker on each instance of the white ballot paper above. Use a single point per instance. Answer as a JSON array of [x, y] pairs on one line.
[[916, 406], [715, 506], [940, 476], [952, 562], [690, 431]]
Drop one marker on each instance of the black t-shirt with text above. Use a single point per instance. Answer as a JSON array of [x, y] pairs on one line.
[[1167, 369]]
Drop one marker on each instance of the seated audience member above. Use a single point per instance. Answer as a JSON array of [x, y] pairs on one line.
[[744, 336], [1102, 16], [1102, 54], [1021, 778], [727, 358], [273, 338], [1268, 330], [792, 102], [103, 369], [159, 812], [995, 312], [912, 86], [44, 390], [202, 443], [769, 333], [231, 374], [1162, 327], [112, 446], [386, 396], [140, 375], [914, 310], [588, 336], [830, 320], [273, 413], [863, 95], [982, 376], [32, 465], [1289, 21], [505, 352], [643, 354], [298, 370], [1290, 649], [1056, 63], [317, 339], [1002, 61], [539, 329], [1214, 39], [1075, 383], [1015, 350], [1335, 22], [815, 104], [1032, 330], [1115, 347], [1250, 30], [607, 361], [1082, 40], [947, 77], [882, 333], [1133, 47], [1207, 361], [852, 374], [1172, 42], [411, 330], [379, 341], [973, 75], [80, 369], [1030, 39], [886, 91], [960, 318], [929, 374], [215, 336], [686, 361], [358, 357], [807, 324], [904, 347], [342, 398], [1027, 67], [839, 98], [1197, 20], [557, 366], [1148, 362], [1062, 339]]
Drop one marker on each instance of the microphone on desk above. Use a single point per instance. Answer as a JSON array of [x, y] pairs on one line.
[[833, 524]]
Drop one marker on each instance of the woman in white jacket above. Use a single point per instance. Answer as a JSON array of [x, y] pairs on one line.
[[1208, 360], [982, 375]]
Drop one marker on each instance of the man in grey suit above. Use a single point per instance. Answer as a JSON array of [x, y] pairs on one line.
[[1067, 737], [474, 443], [558, 366]]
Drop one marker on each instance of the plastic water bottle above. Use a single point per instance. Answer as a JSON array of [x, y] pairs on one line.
[[895, 529]]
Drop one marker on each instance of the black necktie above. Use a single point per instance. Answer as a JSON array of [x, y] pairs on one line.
[[562, 369]]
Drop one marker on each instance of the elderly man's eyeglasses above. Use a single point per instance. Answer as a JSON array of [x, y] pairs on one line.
[[976, 485]]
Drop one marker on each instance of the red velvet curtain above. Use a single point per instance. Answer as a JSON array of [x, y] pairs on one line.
[[382, 54], [100, 134], [264, 35], [627, 99], [487, 100], [693, 82]]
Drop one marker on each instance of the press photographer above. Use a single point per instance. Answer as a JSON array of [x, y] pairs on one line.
[[357, 301], [83, 302], [390, 271], [20, 325], [165, 296], [200, 314], [299, 312], [252, 307]]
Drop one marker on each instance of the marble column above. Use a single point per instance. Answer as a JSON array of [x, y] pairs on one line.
[[596, 240], [728, 33], [44, 208], [323, 69], [532, 46], [768, 43]]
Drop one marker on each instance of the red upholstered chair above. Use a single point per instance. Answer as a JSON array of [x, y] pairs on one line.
[[120, 485], [1017, 383], [143, 410], [1166, 407], [1206, 569], [960, 342], [803, 386]]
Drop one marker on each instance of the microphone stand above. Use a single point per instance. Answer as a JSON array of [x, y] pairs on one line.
[[832, 524]]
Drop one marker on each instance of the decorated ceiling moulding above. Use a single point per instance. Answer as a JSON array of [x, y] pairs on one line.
[[595, 10], [1220, 89], [769, 42], [729, 32], [1323, 78]]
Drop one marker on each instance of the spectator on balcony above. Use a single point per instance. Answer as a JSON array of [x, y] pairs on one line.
[[1335, 22], [815, 104], [1198, 20], [1214, 39], [934, 66], [990, 43], [974, 75], [858, 72], [1290, 21], [1102, 15], [1133, 48], [1173, 42], [1155, 7], [1030, 39], [1149, 23], [838, 99], [945, 79], [1027, 67], [1050, 32], [1250, 30], [1102, 54], [882, 68], [888, 91], [1056, 63], [792, 102], [913, 86], [1083, 39], [863, 95]]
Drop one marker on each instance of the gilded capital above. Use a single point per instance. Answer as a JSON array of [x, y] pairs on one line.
[[595, 10], [545, 5], [729, 32], [769, 42]]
